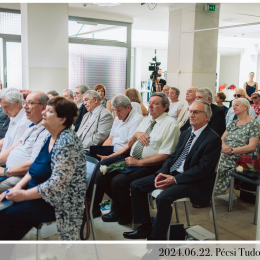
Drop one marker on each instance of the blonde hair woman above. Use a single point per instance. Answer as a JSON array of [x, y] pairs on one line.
[[136, 102]]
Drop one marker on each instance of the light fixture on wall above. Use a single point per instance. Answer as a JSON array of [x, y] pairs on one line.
[[106, 4]]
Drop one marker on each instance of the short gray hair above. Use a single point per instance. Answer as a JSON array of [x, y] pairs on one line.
[[256, 93], [207, 108], [244, 102], [177, 91], [121, 100], [43, 99], [207, 93], [83, 88], [70, 91], [12, 96], [92, 94], [164, 99]]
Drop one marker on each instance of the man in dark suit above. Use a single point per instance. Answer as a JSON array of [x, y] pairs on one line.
[[78, 99], [217, 121], [188, 172]]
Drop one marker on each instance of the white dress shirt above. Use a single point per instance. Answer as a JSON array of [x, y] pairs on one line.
[[164, 136], [17, 127], [122, 131], [92, 115], [29, 148], [197, 134]]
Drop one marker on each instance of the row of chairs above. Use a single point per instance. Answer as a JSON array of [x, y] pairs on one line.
[[88, 220]]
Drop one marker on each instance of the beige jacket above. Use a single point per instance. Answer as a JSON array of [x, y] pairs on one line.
[[98, 128]]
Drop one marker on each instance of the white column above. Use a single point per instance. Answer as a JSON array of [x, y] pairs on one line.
[[248, 63], [45, 46], [192, 56]]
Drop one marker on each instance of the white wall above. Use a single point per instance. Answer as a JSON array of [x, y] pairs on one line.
[[229, 70], [147, 55]]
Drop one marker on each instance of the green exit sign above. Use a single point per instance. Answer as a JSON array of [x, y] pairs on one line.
[[210, 7]]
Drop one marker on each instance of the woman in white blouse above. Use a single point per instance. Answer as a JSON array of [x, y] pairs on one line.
[[175, 104]]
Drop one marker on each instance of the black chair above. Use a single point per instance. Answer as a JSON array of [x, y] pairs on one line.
[[254, 181]]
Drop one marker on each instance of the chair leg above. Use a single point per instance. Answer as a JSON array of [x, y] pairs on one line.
[[92, 226], [230, 203], [176, 212], [150, 198], [168, 232], [256, 205], [214, 216], [187, 213], [38, 235]]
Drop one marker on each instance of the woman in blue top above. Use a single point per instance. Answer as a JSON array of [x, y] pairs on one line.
[[250, 87], [55, 186]]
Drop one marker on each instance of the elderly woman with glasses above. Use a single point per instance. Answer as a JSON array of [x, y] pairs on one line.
[[241, 137], [256, 99], [55, 186]]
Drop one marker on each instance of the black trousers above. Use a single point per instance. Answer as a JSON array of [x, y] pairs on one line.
[[117, 186], [139, 191]]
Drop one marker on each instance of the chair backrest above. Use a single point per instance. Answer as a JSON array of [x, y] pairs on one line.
[[91, 164], [216, 173]]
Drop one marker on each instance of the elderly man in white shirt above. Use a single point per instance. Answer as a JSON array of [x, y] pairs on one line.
[[124, 126], [11, 101], [155, 139], [21, 155]]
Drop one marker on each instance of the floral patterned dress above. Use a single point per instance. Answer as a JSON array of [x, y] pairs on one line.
[[238, 136], [256, 108]]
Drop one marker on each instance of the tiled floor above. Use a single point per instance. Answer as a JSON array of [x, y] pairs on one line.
[[234, 225]]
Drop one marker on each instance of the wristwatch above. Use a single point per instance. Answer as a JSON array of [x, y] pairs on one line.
[[6, 170], [232, 151]]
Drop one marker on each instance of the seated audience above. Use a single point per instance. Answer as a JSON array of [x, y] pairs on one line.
[[11, 101], [239, 93], [166, 90], [19, 157], [219, 99], [55, 186], [53, 93], [184, 114], [106, 103], [78, 99], [241, 137], [188, 172], [95, 125], [68, 93], [4, 123], [135, 98], [256, 99], [155, 139], [175, 105], [217, 120], [124, 126]]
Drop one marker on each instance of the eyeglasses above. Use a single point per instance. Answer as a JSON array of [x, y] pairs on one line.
[[255, 97], [76, 93], [196, 112], [30, 103], [237, 95]]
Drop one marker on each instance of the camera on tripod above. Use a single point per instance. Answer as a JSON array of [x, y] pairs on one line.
[[154, 67]]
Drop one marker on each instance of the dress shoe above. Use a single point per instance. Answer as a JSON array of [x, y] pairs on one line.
[[140, 232], [110, 217], [126, 219]]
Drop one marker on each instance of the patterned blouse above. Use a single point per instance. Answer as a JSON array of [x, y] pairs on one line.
[[104, 103], [65, 190], [256, 108]]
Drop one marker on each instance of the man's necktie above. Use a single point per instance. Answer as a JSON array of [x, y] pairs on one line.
[[235, 117], [138, 150], [183, 155], [184, 119]]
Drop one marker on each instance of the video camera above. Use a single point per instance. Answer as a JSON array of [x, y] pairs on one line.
[[154, 67]]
